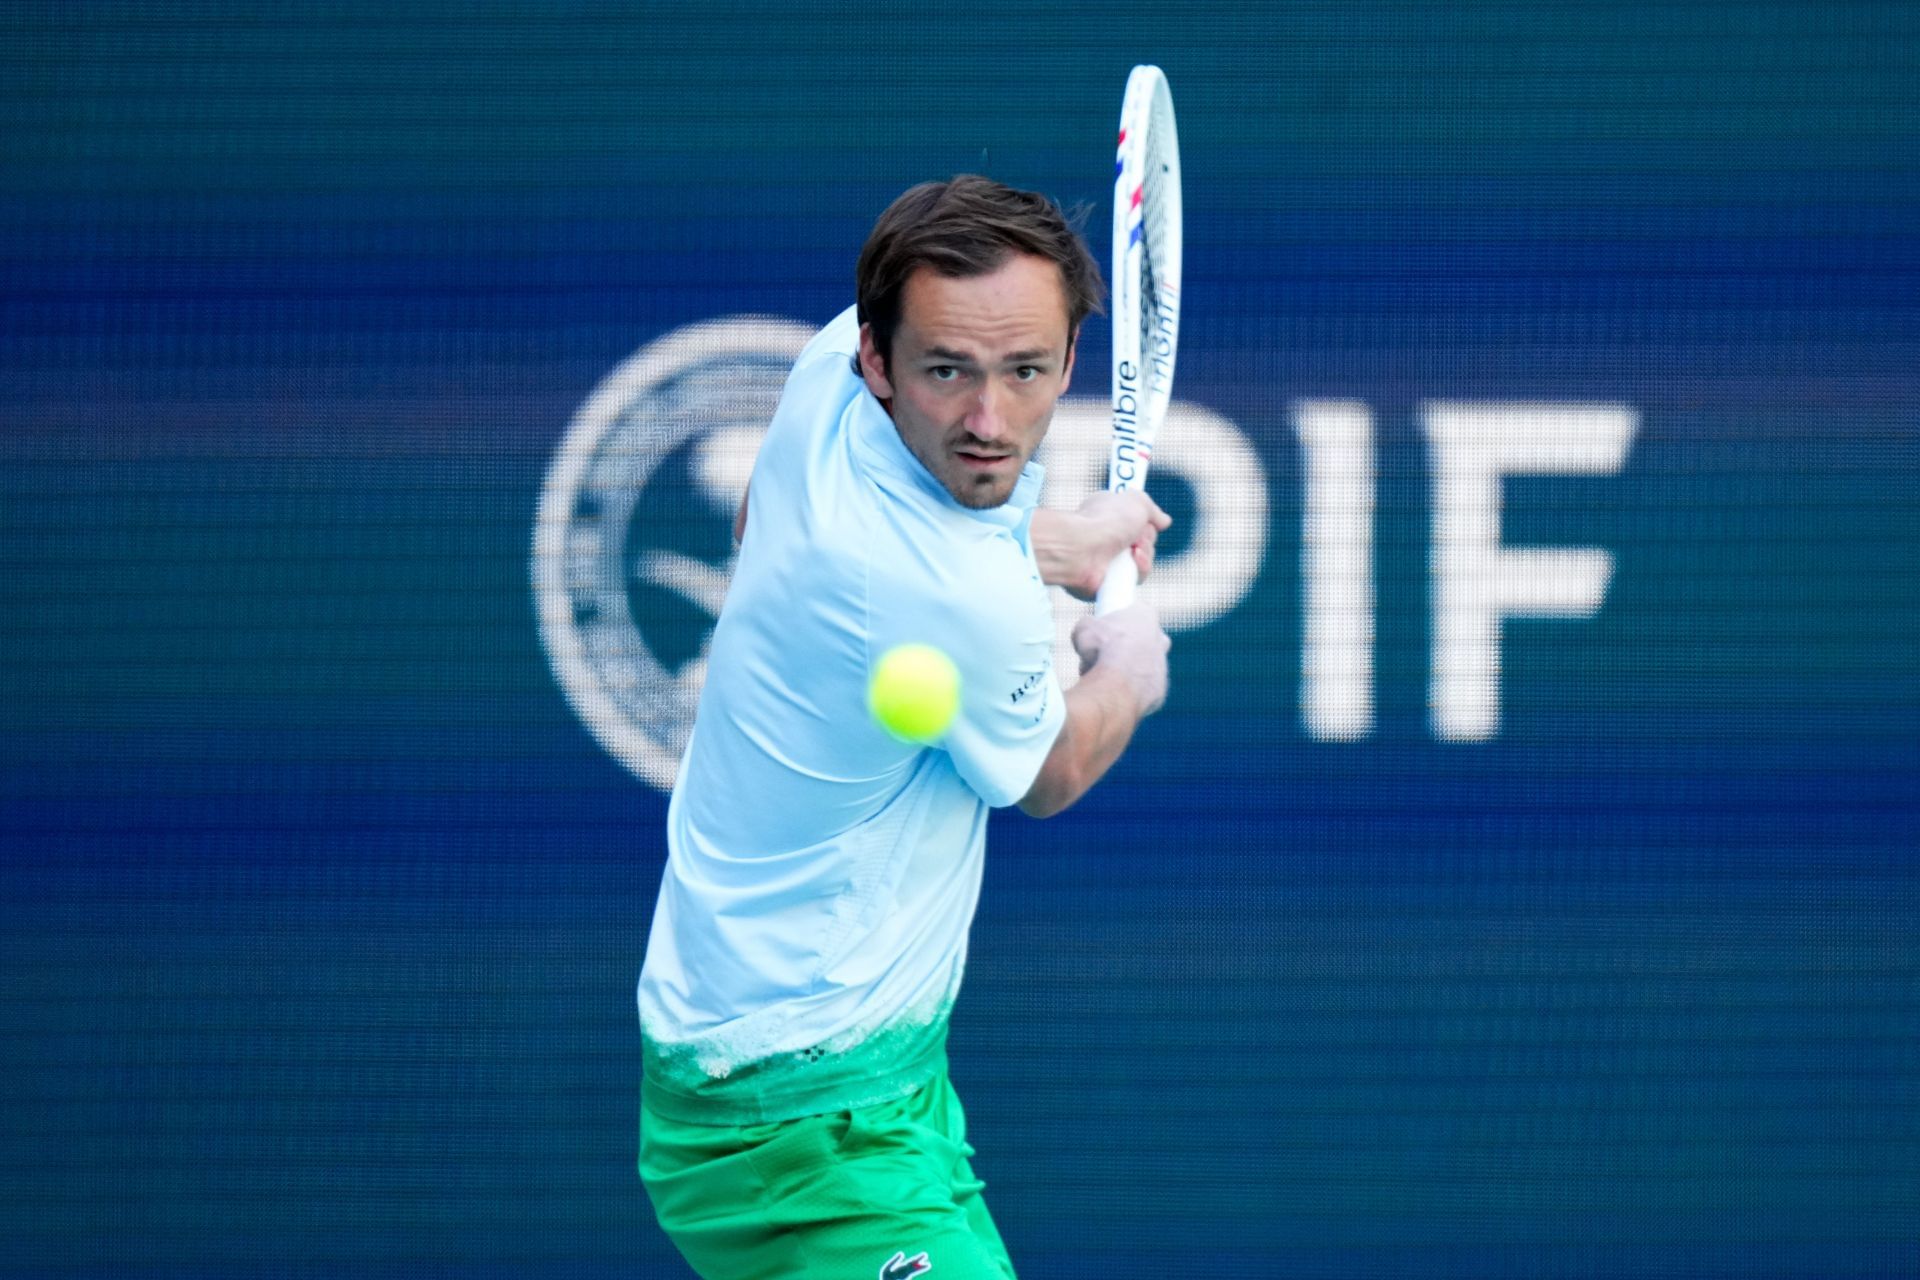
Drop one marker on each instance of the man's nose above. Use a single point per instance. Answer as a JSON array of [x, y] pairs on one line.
[[987, 418]]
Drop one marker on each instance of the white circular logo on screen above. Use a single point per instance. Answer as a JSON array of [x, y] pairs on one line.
[[632, 546], [633, 542]]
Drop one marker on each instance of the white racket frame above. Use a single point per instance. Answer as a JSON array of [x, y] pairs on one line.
[[1142, 363]]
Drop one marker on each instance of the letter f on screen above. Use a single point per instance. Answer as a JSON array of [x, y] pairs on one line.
[[1476, 581]]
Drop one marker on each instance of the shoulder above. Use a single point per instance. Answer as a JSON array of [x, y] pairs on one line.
[[831, 352], [820, 389]]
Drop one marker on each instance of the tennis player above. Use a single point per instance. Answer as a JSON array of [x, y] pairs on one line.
[[796, 1117]]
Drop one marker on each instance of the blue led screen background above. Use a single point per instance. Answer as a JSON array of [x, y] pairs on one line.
[[325, 883]]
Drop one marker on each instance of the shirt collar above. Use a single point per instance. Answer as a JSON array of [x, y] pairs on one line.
[[879, 443]]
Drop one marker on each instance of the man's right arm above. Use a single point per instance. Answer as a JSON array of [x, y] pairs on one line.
[[1123, 681]]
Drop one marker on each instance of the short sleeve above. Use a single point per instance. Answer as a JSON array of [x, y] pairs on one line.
[[1011, 704], [1003, 734]]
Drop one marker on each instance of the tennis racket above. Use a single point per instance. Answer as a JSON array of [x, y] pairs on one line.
[[1146, 296]]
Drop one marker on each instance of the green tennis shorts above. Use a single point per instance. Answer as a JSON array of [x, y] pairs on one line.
[[878, 1192]]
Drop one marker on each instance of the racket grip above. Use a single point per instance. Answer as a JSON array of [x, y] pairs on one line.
[[1116, 589]]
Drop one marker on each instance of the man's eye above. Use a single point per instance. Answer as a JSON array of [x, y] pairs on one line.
[[1026, 373], [943, 373]]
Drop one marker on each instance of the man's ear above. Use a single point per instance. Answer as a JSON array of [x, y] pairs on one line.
[[1066, 375], [873, 367]]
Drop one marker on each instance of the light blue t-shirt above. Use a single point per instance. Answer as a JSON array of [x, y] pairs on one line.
[[821, 876]]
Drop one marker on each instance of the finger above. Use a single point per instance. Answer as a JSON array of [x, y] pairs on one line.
[[1082, 630], [1086, 645], [1143, 549]]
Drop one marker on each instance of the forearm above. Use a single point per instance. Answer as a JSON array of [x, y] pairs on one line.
[[1061, 547], [1074, 548], [1103, 710]]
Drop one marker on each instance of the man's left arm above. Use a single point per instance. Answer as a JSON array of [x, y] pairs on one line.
[[1074, 548]]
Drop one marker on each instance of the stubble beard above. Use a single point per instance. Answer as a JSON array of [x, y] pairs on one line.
[[982, 496]]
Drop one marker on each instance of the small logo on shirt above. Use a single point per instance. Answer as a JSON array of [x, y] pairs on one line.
[[900, 1266]]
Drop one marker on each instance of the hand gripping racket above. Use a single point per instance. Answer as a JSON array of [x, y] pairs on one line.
[[1146, 296]]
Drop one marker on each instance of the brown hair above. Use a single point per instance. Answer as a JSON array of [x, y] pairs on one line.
[[963, 228]]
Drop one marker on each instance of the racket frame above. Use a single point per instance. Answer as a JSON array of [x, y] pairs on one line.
[[1142, 361]]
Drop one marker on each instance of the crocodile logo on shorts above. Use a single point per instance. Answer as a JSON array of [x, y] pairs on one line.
[[901, 1267]]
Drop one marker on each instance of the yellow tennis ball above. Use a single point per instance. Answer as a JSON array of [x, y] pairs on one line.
[[915, 692]]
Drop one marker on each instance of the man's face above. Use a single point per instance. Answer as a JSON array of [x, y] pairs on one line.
[[978, 364]]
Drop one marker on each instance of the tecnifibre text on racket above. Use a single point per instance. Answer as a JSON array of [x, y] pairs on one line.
[[1146, 295]]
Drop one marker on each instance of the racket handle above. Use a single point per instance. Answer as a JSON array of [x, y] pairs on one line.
[[1116, 589]]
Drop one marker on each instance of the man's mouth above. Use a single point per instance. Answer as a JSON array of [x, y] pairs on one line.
[[980, 461]]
